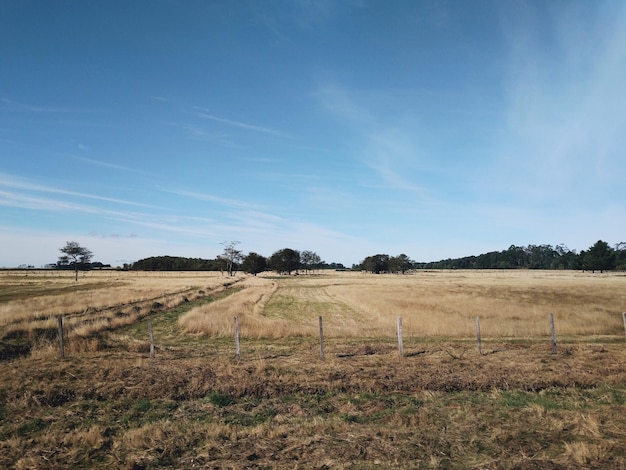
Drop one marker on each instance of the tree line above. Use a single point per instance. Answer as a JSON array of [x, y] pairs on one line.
[[599, 257], [232, 260]]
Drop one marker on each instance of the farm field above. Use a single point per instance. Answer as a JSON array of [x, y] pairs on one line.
[[441, 405]]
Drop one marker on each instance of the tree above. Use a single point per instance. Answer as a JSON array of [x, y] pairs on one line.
[[620, 255], [231, 256], [285, 260], [254, 263], [74, 255], [310, 260], [376, 264], [599, 257], [400, 264]]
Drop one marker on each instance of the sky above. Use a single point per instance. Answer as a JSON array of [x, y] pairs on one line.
[[437, 129]]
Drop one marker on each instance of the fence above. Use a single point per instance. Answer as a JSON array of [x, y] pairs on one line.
[[61, 333], [399, 336]]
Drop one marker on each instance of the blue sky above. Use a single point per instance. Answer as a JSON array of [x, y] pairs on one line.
[[432, 128]]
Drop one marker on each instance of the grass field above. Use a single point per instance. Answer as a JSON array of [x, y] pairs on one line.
[[442, 405]]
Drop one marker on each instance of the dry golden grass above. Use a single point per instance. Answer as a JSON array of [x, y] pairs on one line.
[[44, 293], [100, 300], [510, 304], [442, 405], [519, 408], [217, 318]]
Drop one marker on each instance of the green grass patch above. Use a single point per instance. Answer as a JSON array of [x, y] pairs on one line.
[[220, 399], [31, 427], [165, 321]]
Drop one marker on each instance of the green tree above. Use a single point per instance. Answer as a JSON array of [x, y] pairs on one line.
[[376, 264], [599, 257], [74, 255], [254, 263], [176, 263], [310, 260], [620, 255], [400, 264], [285, 260]]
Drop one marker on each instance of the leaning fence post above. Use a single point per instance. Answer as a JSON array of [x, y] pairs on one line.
[[151, 334], [322, 356], [61, 344], [478, 339], [624, 317], [553, 333], [400, 345], [237, 347]]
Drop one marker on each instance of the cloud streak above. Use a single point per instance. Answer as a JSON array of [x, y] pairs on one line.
[[9, 181], [385, 147], [203, 113], [104, 164], [215, 199], [564, 136], [18, 106]]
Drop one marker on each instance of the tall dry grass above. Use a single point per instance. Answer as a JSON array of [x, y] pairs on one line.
[[42, 294], [98, 301], [217, 318], [445, 303], [510, 304]]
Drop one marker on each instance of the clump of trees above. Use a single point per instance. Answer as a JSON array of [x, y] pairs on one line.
[[540, 257], [378, 264], [599, 257], [175, 263], [515, 257], [286, 260]]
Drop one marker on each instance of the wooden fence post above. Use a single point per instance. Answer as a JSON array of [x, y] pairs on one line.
[[400, 345], [479, 342], [624, 317], [237, 346], [322, 356], [151, 334], [61, 343], [553, 333]]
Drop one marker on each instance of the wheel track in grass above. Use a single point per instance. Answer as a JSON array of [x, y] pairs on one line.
[[165, 321], [120, 317], [296, 301]]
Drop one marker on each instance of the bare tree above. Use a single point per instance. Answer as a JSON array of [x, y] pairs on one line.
[[231, 256], [76, 255]]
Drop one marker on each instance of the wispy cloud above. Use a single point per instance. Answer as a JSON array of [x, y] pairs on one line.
[[204, 114], [48, 204], [215, 199], [565, 118], [103, 164], [342, 104], [385, 147], [9, 181], [161, 221], [198, 133], [18, 106]]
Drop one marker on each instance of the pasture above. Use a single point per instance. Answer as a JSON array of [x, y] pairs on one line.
[[441, 405]]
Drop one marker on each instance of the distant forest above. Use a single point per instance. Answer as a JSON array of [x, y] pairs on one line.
[[599, 257]]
